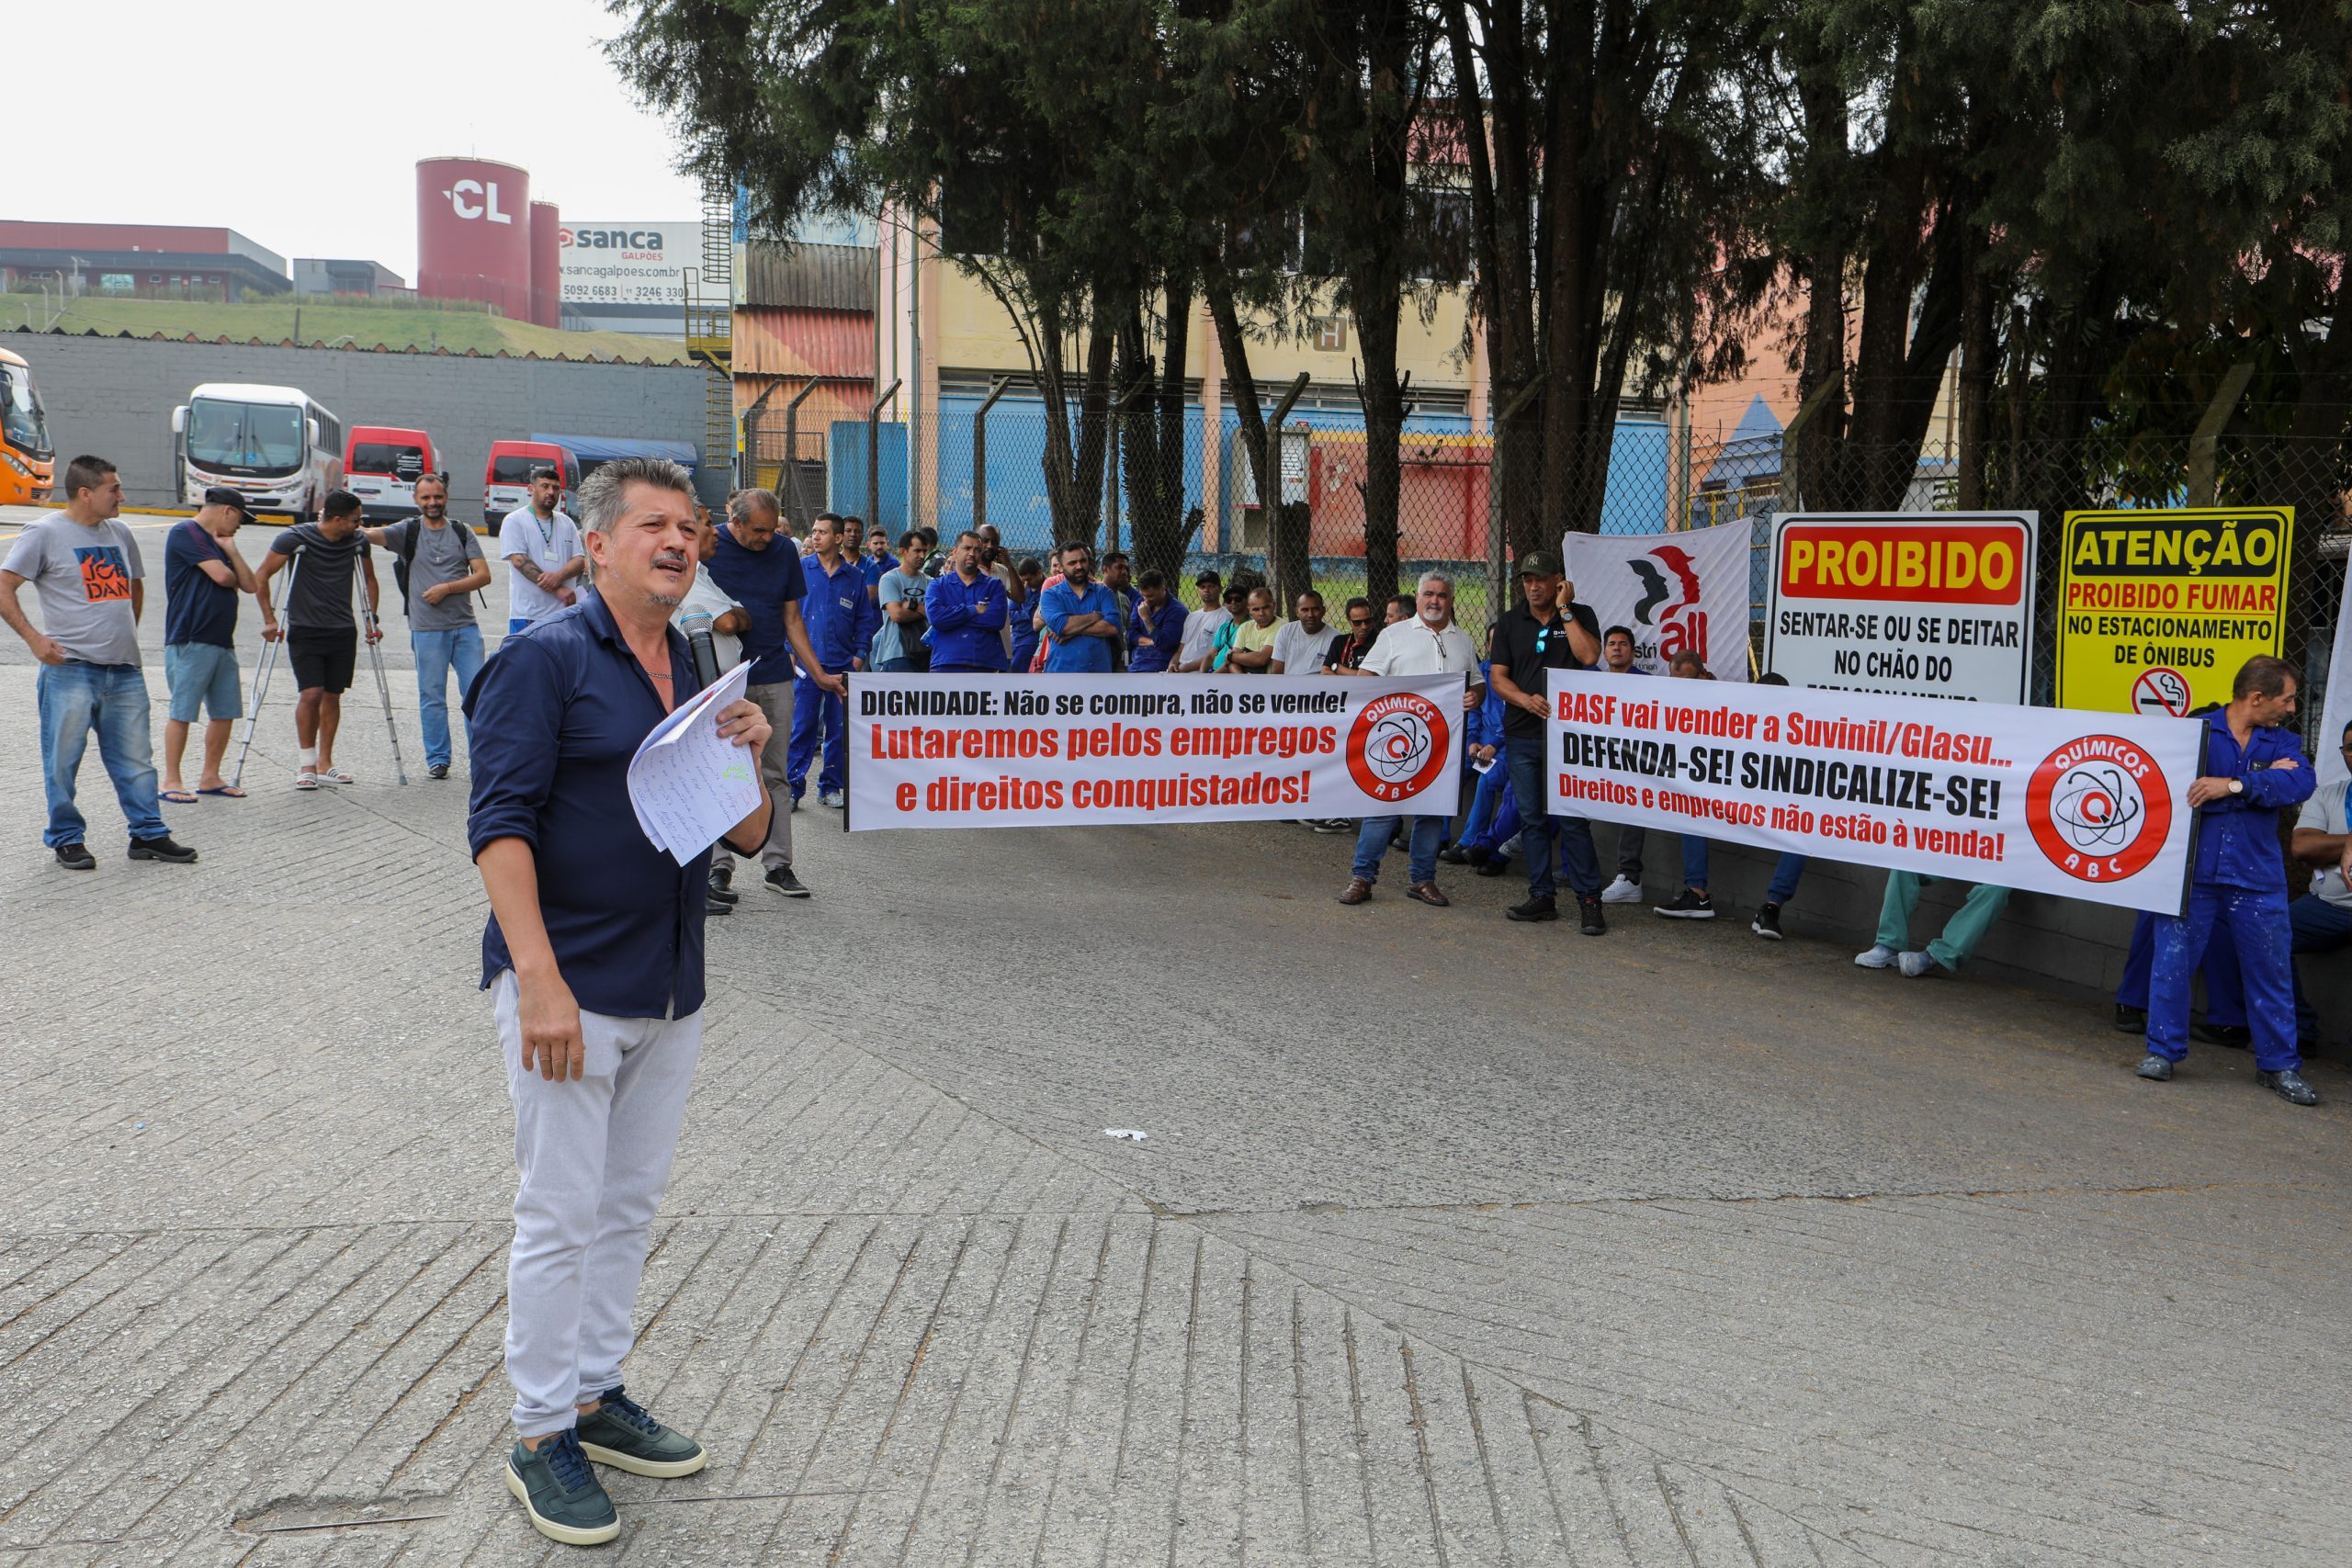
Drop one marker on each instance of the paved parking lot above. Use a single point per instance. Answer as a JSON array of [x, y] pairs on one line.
[[1452, 1241]]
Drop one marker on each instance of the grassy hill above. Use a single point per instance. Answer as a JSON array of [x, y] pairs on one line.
[[396, 325]]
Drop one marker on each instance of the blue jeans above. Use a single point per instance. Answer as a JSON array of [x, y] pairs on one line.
[[436, 652], [816, 712], [1578, 859], [2224, 987], [1784, 875], [2316, 926], [76, 698], [2257, 924], [896, 667], [1371, 842]]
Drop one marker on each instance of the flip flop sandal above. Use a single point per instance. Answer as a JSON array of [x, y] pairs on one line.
[[227, 792], [177, 798], [335, 776], [306, 781]]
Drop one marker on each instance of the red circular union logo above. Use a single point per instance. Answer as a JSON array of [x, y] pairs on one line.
[[1398, 747], [2099, 807]]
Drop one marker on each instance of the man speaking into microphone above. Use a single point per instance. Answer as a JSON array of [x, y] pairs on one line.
[[593, 957]]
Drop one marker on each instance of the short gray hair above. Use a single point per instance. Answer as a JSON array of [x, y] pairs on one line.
[[1429, 577], [743, 503], [600, 494]]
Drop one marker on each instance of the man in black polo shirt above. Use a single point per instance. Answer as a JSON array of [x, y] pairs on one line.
[[593, 956], [1549, 631], [322, 642]]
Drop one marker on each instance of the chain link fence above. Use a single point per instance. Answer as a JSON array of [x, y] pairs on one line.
[[1179, 491]]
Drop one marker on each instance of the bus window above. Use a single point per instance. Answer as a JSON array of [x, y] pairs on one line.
[[255, 439], [22, 425]]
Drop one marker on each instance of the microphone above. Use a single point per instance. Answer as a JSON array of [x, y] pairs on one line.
[[695, 624]]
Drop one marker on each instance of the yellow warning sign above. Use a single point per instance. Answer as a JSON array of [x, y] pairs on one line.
[[2157, 610]]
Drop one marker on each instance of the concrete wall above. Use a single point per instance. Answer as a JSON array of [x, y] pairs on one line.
[[114, 397], [2047, 942]]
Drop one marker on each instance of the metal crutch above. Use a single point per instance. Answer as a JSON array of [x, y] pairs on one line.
[[376, 659], [261, 675]]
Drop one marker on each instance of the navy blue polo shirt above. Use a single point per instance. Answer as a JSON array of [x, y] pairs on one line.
[[552, 721], [196, 609], [762, 582]]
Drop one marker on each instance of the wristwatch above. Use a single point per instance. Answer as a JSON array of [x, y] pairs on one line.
[[2237, 786]]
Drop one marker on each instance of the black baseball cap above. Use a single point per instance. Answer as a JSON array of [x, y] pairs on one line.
[[222, 495], [1539, 563]]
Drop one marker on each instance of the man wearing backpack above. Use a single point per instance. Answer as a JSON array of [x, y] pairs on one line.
[[439, 566]]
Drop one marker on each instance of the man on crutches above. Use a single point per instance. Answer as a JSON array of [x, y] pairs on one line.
[[322, 642]]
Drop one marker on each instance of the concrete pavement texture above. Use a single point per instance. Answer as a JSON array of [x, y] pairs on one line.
[[1452, 1241]]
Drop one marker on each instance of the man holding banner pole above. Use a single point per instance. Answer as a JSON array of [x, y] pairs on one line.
[[1548, 631], [2252, 766]]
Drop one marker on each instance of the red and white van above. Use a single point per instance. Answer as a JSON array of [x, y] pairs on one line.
[[380, 466], [506, 478]]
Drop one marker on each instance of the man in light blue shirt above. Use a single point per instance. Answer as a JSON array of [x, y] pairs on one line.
[[898, 646], [1082, 617]]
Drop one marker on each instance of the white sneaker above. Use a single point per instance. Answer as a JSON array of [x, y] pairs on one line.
[[1879, 957], [832, 798], [1621, 891], [1916, 965]]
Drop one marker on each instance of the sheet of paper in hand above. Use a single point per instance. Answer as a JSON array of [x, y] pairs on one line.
[[689, 784]]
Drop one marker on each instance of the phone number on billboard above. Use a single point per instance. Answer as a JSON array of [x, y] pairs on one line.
[[642, 293]]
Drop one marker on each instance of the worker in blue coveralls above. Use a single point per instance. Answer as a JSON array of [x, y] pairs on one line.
[[2252, 766], [842, 620]]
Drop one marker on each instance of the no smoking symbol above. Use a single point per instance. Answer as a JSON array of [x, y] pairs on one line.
[[2161, 691]]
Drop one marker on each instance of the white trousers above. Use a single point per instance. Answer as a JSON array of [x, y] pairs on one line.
[[595, 1155]]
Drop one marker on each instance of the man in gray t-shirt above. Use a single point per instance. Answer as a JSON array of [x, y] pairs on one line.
[[445, 565], [86, 570]]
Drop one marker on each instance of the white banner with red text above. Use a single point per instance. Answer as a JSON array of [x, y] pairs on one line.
[[1676, 592], [1094, 750], [2089, 805]]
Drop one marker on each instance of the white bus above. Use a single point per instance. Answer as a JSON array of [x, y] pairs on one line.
[[278, 444]]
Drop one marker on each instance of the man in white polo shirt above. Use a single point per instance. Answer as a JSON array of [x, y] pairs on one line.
[[543, 546], [1428, 644]]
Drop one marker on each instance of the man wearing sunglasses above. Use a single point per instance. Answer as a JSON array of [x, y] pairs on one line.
[[1347, 650], [1548, 631]]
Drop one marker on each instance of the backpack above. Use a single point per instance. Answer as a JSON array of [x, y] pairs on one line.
[[408, 554]]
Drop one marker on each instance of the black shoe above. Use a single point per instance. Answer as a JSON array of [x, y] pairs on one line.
[[1539, 907], [76, 857], [722, 875], [1477, 854], [715, 895], [2154, 1069], [1494, 865], [2235, 1036], [1691, 905], [781, 881], [437, 771], [1453, 854], [1767, 923], [162, 849], [714, 908], [2131, 1021], [2289, 1087], [1589, 910]]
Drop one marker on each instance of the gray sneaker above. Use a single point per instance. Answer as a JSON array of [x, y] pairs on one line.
[[1879, 957], [833, 799], [2154, 1069], [620, 1433], [560, 1493]]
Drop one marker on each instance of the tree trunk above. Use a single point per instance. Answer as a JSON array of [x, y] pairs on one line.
[[1241, 388], [1154, 437], [1384, 434]]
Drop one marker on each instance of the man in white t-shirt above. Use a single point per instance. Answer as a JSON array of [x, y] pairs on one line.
[[2321, 920], [1199, 626], [1428, 644], [1300, 645], [543, 546]]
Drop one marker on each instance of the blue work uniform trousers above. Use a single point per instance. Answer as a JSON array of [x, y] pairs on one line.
[[2224, 987], [1578, 859], [817, 713], [74, 699], [2317, 925], [2256, 924]]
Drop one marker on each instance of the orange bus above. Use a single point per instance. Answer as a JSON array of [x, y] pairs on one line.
[[27, 460]]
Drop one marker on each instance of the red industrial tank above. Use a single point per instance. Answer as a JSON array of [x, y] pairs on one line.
[[473, 235], [547, 265]]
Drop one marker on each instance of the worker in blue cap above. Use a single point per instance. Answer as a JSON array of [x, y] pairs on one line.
[[2252, 766]]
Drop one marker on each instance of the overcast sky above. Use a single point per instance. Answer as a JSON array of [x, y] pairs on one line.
[[299, 125]]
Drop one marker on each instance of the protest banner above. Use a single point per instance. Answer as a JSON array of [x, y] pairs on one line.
[[1672, 590], [2157, 610], [1092, 751], [2087, 806], [1919, 604]]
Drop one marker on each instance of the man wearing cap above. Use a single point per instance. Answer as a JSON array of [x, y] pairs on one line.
[[1548, 630], [543, 546], [83, 567], [203, 574]]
